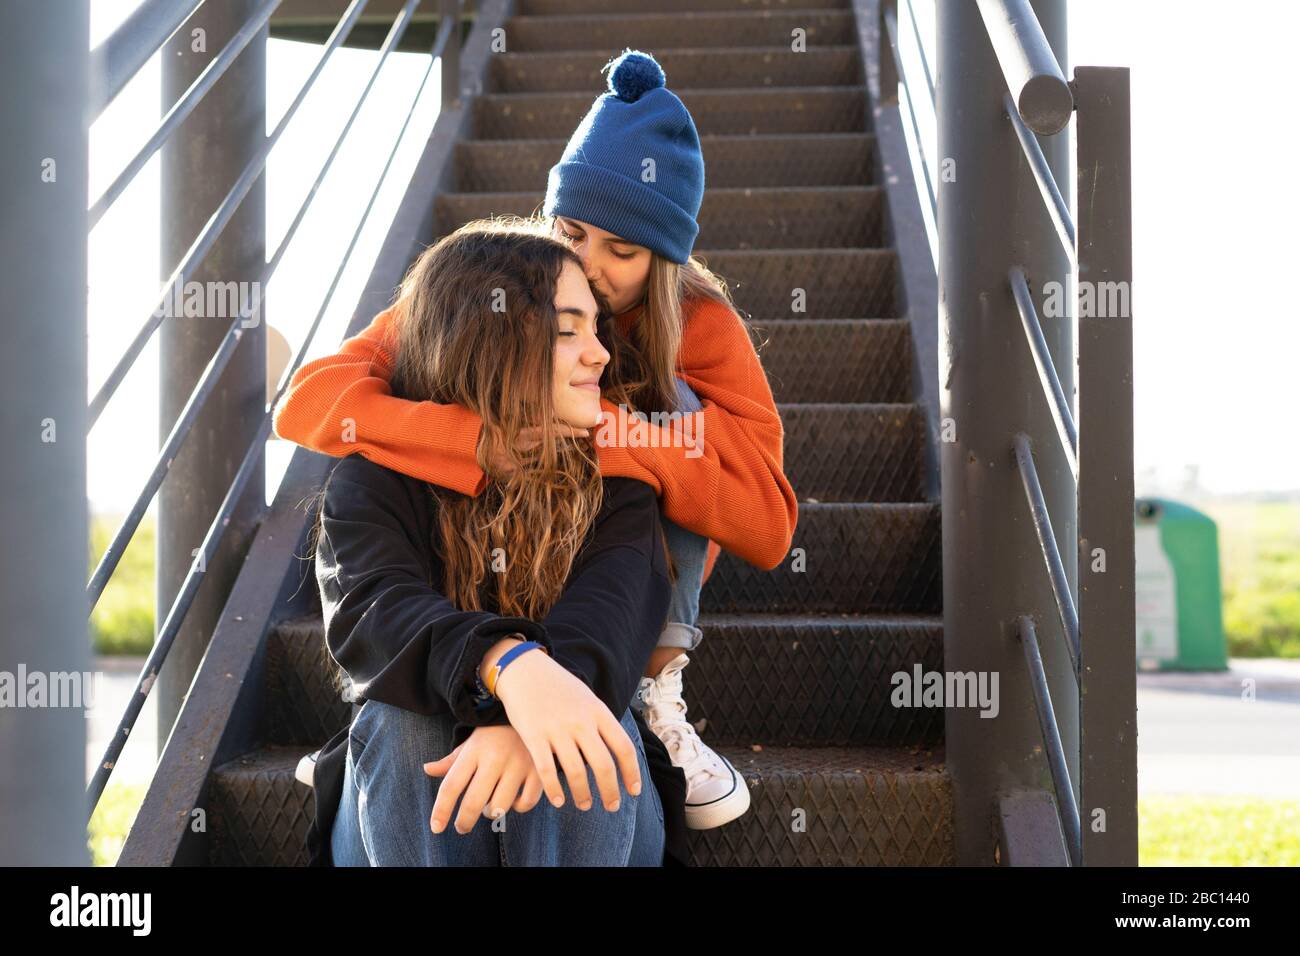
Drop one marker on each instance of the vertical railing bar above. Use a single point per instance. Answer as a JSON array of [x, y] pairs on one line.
[[1059, 405], [1047, 543], [449, 12], [890, 68], [1066, 806]]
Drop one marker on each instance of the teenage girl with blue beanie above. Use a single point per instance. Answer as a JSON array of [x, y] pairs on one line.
[[625, 195]]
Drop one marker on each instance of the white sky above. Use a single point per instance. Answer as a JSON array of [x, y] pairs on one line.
[[1216, 327]]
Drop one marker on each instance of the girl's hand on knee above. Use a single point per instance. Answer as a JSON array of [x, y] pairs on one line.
[[557, 715], [490, 768]]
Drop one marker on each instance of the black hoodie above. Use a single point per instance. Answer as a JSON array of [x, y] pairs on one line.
[[403, 642]]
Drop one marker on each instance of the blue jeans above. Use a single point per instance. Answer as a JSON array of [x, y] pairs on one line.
[[689, 551], [383, 817]]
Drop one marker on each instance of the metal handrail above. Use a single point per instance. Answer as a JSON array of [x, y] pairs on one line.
[[182, 108], [1039, 100], [1047, 543], [1034, 79], [1052, 198], [1051, 382], [225, 351], [119, 58], [447, 38], [1066, 807], [203, 243], [920, 45], [889, 17], [1019, 73]]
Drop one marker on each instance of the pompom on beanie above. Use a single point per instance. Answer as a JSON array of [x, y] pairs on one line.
[[633, 166]]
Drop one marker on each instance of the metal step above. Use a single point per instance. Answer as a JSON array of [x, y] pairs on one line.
[[654, 32], [685, 69], [303, 704], [730, 161], [854, 452], [811, 109], [814, 806], [836, 360], [835, 283], [570, 7], [845, 558], [811, 680], [790, 680], [807, 217]]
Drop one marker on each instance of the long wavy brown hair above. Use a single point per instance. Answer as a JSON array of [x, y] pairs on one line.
[[477, 327], [461, 340]]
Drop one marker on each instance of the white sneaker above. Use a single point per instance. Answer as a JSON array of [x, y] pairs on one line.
[[715, 792], [305, 772]]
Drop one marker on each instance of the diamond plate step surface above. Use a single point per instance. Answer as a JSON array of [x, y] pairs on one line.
[[655, 32], [571, 7], [792, 680], [810, 806], [730, 161], [836, 360], [798, 283], [813, 109], [808, 216], [687, 69]]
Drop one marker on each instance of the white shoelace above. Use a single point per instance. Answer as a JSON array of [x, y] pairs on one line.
[[675, 728]]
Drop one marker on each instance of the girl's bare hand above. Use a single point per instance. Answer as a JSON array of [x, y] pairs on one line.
[[491, 768], [557, 715], [499, 462]]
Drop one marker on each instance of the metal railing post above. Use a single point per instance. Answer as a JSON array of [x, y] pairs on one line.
[[450, 10], [990, 218], [44, 69], [200, 163], [1106, 562]]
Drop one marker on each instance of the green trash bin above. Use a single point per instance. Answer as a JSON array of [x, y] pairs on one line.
[[1177, 590]]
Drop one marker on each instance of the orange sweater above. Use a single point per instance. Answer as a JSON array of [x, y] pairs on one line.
[[735, 493]]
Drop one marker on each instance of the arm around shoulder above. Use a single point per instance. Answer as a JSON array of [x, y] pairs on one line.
[[342, 404]]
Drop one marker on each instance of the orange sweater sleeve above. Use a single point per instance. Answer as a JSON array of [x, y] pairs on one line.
[[734, 493], [341, 404]]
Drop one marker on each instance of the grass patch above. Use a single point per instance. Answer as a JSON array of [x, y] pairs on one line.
[[112, 820], [1186, 830], [1259, 558], [123, 620]]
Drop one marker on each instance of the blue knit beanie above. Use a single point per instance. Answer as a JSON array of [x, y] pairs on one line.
[[633, 166]]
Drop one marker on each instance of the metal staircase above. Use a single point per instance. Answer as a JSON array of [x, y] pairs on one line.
[[812, 213], [792, 682]]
